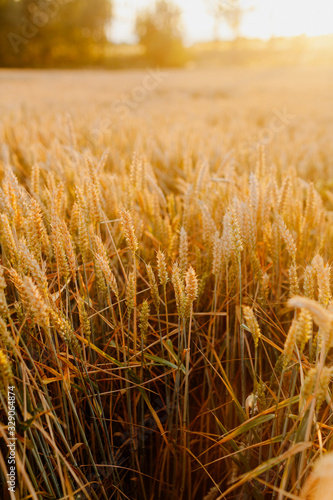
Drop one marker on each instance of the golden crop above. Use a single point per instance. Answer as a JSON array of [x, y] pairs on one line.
[[147, 265]]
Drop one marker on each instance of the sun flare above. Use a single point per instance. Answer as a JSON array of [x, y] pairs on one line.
[[261, 19]]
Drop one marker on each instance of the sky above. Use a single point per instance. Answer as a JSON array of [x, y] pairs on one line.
[[262, 19]]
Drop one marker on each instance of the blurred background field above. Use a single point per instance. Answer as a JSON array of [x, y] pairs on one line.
[[214, 114]]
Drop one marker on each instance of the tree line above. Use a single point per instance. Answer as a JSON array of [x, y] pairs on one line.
[[51, 33]]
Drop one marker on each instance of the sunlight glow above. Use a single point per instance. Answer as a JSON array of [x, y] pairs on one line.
[[262, 19]]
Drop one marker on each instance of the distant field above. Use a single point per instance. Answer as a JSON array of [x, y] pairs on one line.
[[208, 114], [153, 227]]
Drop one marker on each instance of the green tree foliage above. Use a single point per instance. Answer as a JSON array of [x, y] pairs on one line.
[[53, 32], [160, 32]]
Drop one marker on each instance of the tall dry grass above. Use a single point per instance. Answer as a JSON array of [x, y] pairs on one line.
[[166, 312]]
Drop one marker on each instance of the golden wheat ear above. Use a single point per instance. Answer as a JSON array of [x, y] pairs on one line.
[[319, 485]]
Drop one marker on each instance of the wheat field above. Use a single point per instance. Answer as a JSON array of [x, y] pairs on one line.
[[166, 313]]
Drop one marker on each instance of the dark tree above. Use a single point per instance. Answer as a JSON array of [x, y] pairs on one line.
[[53, 32]]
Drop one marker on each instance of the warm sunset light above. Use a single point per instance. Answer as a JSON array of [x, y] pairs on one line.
[[262, 18], [166, 249]]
